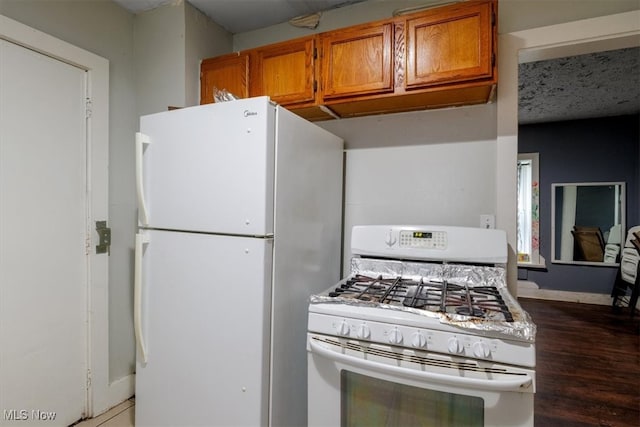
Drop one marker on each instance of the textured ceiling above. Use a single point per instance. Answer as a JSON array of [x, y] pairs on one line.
[[583, 86], [580, 87]]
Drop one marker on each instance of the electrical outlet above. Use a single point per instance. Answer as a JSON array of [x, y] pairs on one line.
[[487, 221]]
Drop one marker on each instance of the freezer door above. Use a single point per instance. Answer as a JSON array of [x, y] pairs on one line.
[[208, 168], [204, 310]]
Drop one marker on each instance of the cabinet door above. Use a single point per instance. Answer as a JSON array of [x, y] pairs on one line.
[[285, 71], [230, 72], [452, 44], [357, 61]]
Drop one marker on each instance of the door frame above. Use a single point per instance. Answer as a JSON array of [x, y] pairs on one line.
[[98, 398], [566, 39]]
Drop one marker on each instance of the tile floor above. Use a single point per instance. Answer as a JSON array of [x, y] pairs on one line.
[[118, 416]]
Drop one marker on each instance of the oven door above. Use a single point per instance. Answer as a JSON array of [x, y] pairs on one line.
[[356, 383]]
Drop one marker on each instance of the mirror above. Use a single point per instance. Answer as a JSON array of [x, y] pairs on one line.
[[587, 223]]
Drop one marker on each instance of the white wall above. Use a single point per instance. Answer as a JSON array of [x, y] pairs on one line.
[[427, 167], [443, 184], [169, 44], [471, 123], [159, 49], [517, 15], [203, 39]]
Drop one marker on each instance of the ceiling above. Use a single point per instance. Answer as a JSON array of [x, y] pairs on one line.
[[584, 86], [567, 88], [238, 16]]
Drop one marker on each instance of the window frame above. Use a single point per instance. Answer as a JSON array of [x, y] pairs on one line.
[[536, 260]]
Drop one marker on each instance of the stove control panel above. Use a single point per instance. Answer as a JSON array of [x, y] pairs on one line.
[[430, 243], [423, 339], [423, 239]]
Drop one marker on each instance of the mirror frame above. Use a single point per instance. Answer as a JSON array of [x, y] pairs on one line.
[[623, 196]]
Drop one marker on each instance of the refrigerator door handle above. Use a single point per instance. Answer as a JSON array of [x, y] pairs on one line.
[[141, 240], [143, 215]]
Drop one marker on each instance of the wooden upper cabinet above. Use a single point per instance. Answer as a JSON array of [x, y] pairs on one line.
[[285, 71], [439, 57], [450, 45], [357, 61], [230, 72]]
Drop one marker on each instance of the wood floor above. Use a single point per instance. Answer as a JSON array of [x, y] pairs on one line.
[[588, 365]]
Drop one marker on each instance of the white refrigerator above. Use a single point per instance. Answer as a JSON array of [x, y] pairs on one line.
[[240, 212]]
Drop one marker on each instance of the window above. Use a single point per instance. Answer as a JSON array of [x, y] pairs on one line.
[[528, 220]]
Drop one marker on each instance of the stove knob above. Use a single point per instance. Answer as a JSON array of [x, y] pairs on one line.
[[481, 349], [363, 332], [418, 340], [343, 328], [455, 346], [395, 336]]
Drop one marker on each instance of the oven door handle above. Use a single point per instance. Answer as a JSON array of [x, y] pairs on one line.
[[522, 383]]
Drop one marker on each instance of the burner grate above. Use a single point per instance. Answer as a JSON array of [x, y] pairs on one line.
[[364, 288], [475, 302]]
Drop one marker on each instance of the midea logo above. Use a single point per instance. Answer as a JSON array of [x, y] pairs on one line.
[[248, 113]]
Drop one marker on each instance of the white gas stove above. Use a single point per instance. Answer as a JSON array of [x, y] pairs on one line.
[[425, 307]]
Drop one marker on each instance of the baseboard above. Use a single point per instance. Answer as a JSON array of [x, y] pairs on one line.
[[120, 390], [528, 289]]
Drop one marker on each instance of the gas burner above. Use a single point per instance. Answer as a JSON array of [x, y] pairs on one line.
[[470, 311], [420, 297]]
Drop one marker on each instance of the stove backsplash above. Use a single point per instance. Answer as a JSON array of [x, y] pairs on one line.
[[462, 274]]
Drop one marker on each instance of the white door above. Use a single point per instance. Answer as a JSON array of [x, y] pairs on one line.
[[43, 239]]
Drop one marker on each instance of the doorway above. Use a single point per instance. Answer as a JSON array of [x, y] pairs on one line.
[[598, 33]]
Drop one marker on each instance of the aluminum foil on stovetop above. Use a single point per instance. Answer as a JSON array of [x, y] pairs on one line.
[[519, 327]]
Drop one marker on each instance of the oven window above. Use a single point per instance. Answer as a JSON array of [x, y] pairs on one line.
[[367, 401]]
